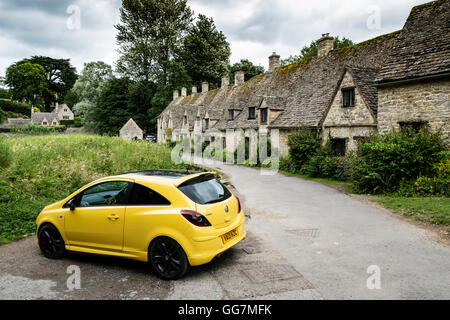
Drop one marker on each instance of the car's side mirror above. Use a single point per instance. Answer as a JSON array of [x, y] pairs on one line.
[[71, 204]]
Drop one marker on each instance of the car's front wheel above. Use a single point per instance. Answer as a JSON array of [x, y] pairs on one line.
[[50, 242], [168, 259]]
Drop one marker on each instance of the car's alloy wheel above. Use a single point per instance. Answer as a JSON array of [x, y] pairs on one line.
[[168, 258], [50, 242]]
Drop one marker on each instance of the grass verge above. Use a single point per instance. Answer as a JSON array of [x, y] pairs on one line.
[[45, 169], [425, 209]]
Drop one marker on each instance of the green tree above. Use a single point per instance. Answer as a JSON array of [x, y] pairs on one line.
[[112, 112], [177, 79], [26, 81], [312, 50], [205, 52], [5, 94], [148, 34], [140, 95], [88, 88], [60, 78], [248, 67], [71, 99]]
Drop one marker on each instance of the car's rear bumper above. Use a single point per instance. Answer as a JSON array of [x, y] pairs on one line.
[[207, 246]]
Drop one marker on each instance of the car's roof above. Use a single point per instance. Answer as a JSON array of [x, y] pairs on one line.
[[172, 177]]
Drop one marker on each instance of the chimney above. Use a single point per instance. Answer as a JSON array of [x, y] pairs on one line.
[[194, 89], [239, 77], [274, 62], [325, 45], [175, 94], [205, 87], [225, 82], [184, 92]]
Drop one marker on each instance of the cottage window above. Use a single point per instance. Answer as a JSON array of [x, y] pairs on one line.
[[66, 117], [338, 146], [348, 97], [264, 115], [206, 123], [415, 126], [251, 113], [230, 115]]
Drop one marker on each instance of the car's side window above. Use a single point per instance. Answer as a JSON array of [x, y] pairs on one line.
[[142, 196], [106, 194]]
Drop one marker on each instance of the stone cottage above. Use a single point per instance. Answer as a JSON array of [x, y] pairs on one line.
[[131, 131], [414, 82], [60, 112], [346, 94]]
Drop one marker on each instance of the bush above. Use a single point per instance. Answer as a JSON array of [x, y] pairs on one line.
[[2, 115], [5, 154], [75, 123], [303, 145], [16, 107], [33, 129], [5, 94], [325, 165], [439, 185], [384, 164]]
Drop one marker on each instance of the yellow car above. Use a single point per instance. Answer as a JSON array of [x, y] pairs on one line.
[[171, 219]]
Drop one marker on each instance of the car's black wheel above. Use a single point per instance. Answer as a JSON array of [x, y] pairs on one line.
[[50, 242], [168, 259]]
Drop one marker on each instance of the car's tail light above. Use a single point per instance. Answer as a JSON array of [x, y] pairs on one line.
[[195, 218], [239, 204]]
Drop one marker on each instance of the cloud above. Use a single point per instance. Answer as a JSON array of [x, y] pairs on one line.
[[47, 27], [254, 28]]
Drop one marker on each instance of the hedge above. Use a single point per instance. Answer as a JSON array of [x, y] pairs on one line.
[[76, 122], [16, 107], [5, 94], [386, 164], [2, 115]]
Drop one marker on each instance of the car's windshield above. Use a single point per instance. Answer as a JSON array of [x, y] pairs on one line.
[[205, 190]]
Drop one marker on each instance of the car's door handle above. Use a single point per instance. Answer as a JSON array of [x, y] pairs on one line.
[[113, 217]]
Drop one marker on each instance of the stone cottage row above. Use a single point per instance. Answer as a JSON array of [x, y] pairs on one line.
[[393, 81]]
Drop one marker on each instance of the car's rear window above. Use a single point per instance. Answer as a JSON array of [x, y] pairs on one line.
[[205, 190]]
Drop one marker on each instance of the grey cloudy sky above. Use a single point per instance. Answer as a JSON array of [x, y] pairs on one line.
[[83, 30]]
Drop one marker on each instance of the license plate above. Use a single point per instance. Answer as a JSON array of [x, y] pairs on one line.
[[229, 236]]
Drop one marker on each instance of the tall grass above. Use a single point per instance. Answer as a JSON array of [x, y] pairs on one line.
[[45, 169]]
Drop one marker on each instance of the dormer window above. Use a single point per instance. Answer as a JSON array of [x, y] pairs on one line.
[[263, 115], [206, 123], [230, 115], [348, 97], [251, 113], [185, 120]]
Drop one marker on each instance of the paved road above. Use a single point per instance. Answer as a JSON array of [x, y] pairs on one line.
[[332, 239], [305, 241]]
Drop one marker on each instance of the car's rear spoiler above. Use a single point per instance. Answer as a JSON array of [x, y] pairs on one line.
[[193, 176]]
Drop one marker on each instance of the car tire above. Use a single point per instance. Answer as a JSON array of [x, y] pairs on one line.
[[50, 242], [168, 259]]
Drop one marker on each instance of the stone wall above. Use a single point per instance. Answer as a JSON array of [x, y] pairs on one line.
[[284, 148], [131, 133], [422, 101]]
